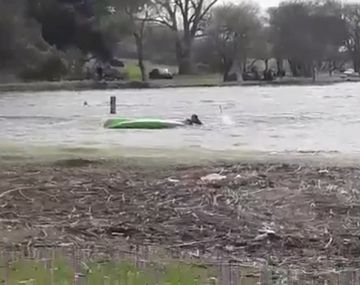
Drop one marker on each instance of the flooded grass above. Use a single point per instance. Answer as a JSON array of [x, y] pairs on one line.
[[64, 271], [60, 271]]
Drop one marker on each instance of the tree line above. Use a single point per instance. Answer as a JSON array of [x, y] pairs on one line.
[[38, 35]]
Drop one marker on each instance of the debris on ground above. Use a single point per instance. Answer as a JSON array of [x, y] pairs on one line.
[[213, 177], [300, 215]]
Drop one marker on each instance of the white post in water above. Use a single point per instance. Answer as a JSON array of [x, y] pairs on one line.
[[112, 105], [314, 72]]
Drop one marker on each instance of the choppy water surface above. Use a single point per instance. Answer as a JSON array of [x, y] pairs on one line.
[[270, 119]]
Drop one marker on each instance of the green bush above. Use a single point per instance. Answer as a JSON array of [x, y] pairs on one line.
[[53, 68], [132, 72], [75, 61]]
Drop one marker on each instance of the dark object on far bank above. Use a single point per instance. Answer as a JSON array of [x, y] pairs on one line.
[[100, 73], [231, 77], [269, 75], [117, 63], [281, 73], [251, 76], [194, 120], [160, 74]]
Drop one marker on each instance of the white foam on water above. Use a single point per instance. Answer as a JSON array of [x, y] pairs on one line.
[[226, 120]]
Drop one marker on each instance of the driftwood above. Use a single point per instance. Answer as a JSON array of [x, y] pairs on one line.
[[300, 216]]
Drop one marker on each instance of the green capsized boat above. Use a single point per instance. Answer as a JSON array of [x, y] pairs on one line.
[[141, 123]]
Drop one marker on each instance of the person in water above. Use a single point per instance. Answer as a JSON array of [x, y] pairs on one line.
[[194, 120]]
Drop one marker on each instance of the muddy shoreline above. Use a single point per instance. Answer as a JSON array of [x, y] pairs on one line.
[[86, 85], [286, 214]]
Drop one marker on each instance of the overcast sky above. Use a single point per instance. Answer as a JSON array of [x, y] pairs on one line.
[[269, 3]]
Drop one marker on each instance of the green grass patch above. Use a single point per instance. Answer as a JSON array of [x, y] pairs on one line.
[[60, 273], [201, 79], [37, 272], [132, 72]]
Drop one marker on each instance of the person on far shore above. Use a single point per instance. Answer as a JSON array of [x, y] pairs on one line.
[[100, 72]]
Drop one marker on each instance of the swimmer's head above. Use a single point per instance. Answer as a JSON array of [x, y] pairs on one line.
[[195, 119]]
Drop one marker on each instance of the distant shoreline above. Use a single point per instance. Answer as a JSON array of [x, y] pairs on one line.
[[85, 85]]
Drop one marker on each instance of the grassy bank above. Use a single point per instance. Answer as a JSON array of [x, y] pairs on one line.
[[13, 154], [178, 82], [65, 270], [59, 271]]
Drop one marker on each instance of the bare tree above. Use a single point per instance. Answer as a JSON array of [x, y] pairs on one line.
[[185, 18], [139, 16], [352, 18], [135, 15], [304, 33], [159, 44], [261, 47], [232, 30]]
